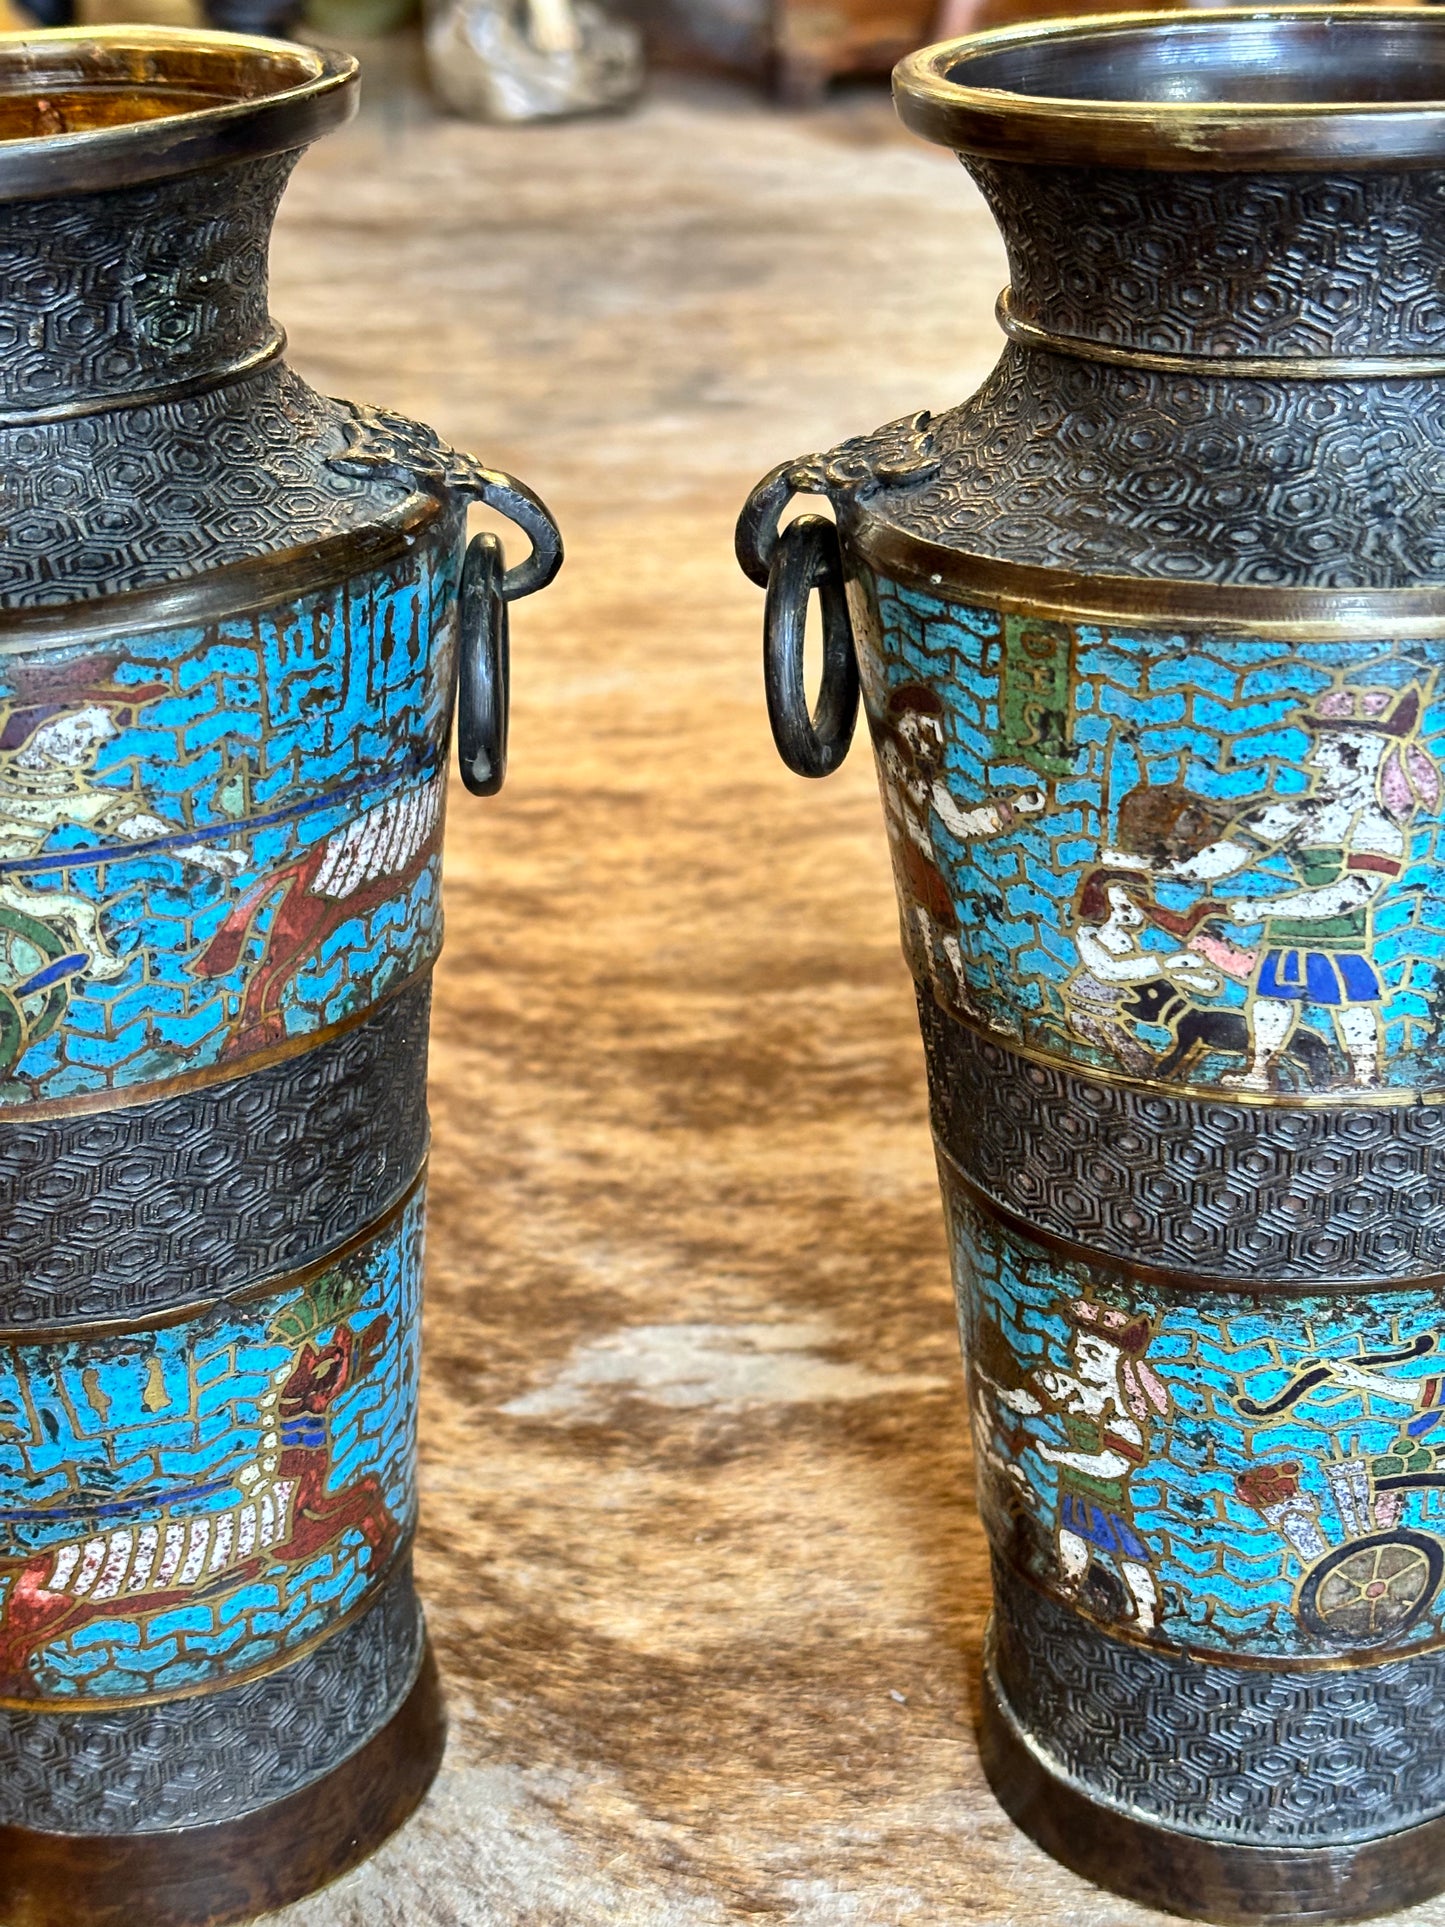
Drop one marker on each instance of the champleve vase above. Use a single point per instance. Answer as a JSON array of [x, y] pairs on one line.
[[235, 619], [1151, 641]]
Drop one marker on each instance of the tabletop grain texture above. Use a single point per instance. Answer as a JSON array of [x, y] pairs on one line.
[[698, 1539]]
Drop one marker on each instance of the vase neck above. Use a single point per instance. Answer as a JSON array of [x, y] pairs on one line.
[[138, 294], [1215, 267]]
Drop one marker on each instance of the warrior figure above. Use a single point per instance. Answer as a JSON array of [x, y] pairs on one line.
[[1104, 1406], [1118, 978], [911, 752], [1346, 839]]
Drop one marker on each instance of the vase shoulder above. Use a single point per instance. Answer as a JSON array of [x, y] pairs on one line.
[[1064, 463], [142, 497]]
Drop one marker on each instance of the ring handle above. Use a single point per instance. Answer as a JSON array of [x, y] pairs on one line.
[[484, 666], [757, 530], [806, 556], [515, 500]]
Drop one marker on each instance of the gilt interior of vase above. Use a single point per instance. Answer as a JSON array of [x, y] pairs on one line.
[[63, 84], [1361, 58]]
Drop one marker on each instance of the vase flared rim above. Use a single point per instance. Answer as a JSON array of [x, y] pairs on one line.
[[86, 109], [1222, 90]]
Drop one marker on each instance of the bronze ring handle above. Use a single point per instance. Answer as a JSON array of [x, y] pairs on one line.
[[484, 671], [515, 500], [484, 668], [806, 556]]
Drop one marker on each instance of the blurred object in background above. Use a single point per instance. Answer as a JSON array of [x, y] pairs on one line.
[[348, 20], [119, 13], [956, 17], [815, 41], [276, 17], [510, 60]]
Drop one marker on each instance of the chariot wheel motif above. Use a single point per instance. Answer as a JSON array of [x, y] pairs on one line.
[[1372, 1590]]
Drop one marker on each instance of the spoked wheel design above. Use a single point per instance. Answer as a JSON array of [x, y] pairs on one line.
[[1373, 1589]]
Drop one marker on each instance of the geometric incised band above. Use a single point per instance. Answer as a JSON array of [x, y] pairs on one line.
[[130, 1212], [202, 382], [1172, 1181], [1277, 1756], [1263, 367], [1079, 594], [212, 1757], [189, 1310], [1164, 1281]]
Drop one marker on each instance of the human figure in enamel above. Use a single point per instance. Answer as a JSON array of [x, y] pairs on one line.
[[47, 782], [1104, 1406], [911, 750], [1346, 839], [1114, 963]]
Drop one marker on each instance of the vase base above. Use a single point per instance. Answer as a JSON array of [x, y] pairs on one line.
[[1186, 1873], [205, 1876]]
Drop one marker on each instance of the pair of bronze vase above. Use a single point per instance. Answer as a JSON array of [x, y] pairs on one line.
[[1149, 635]]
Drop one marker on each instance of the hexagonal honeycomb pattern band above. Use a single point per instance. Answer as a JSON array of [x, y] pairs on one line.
[[121, 1213], [1208, 1186], [214, 1757], [1264, 1756]]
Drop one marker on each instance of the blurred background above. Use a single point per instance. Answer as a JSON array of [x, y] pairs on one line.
[[541, 58]]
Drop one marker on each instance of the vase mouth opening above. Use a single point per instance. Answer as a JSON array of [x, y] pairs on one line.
[[1229, 89], [98, 108]]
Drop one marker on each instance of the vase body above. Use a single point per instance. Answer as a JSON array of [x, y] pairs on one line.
[[1151, 635], [229, 642]]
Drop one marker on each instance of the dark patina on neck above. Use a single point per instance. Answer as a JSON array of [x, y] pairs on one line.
[[139, 176], [1226, 352]]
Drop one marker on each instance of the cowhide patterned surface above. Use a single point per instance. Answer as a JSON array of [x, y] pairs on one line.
[[698, 1538]]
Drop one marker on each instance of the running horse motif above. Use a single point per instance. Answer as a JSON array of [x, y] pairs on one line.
[[282, 1514]]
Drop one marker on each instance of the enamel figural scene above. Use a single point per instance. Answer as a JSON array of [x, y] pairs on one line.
[[1151, 642], [234, 621]]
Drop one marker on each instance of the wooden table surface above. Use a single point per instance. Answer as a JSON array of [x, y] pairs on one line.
[[698, 1538]]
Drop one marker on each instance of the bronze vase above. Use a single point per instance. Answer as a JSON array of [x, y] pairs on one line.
[[235, 618], [1151, 637]]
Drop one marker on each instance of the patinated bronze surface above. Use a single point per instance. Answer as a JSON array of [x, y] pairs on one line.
[[234, 621], [1150, 635]]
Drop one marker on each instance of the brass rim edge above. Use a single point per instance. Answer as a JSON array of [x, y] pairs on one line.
[[1196, 1094], [1179, 136], [238, 588], [1214, 1656], [130, 1700], [272, 1286], [86, 1103], [1187, 1285], [236, 129], [1291, 614], [221, 376], [1029, 334]]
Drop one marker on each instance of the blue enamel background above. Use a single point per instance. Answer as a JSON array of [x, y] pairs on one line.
[[100, 1437], [1224, 717], [1228, 1578], [246, 749]]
